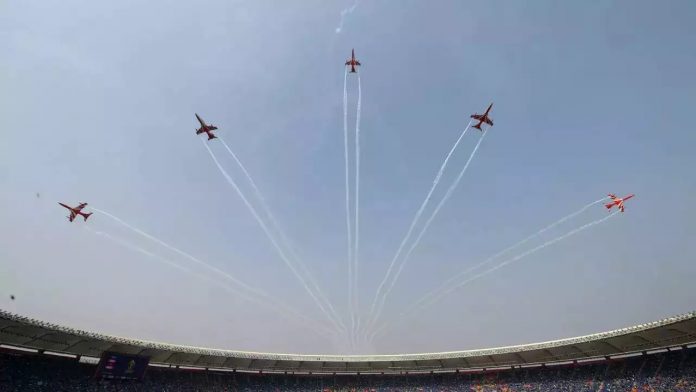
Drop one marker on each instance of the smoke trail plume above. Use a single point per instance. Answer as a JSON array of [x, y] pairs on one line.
[[138, 249], [524, 254], [178, 251], [283, 238], [415, 243], [506, 250], [414, 221], [281, 308], [345, 12], [351, 307], [415, 310], [275, 244], [357, 205]]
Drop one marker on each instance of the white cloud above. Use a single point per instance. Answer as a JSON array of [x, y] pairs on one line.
[[345, 12]]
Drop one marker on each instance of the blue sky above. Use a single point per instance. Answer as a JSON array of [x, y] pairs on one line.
[[97, 104]]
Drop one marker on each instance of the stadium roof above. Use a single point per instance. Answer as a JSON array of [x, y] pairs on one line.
[[678, 331]]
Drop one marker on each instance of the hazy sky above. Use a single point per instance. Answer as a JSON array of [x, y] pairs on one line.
[[97, 103]]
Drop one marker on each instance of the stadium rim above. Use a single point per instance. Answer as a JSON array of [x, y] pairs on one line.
[[674, 332]]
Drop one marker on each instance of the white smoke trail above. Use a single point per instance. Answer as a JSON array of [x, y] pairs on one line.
[[345, 12], [176, 250], [351, 307], [423, 205], [356, 242], [138, 249], [180, 252], [504, 251], [415, 310], [425, 228], [263, 300], [283, 238], [526, 253], [275, 244]]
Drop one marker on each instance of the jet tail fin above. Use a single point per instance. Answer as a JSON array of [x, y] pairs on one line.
[[211, 137], [87, 215], [477, 126], [609, 205]]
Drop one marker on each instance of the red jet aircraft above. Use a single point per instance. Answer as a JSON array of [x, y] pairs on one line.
[[75, 211], [618, 201], [352, 62], [483, 118], [205, 128]]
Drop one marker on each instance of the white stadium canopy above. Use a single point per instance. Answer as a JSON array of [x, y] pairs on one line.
[[675, 332]]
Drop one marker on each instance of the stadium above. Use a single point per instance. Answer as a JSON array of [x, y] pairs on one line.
[[657, 356], [347, 196]]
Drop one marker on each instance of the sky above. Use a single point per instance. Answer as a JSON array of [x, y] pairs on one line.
[[97, 103]]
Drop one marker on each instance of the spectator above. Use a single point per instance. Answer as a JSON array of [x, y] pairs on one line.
[[672, 371]]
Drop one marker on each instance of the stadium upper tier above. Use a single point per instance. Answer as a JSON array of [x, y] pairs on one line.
[[678, 331]]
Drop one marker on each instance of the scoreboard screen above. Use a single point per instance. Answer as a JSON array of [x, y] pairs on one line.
[[122, 366]]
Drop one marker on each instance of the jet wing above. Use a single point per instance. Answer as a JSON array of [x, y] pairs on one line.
[[80, 207], [488, 121], [612, 196], [357, 62], [200, 121], [212, 127], [477, 116], [72, 216], [348, 62]]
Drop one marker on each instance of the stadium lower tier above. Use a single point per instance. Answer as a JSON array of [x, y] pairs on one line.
[[670, 371]]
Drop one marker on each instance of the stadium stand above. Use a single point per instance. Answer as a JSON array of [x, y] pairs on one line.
[[668, 371], [657, 356], [678, 331]]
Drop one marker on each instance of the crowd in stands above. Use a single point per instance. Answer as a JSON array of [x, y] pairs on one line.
[[673, 371]]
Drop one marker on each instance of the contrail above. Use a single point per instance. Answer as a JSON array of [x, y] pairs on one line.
[[415, 221], [337, 323], [518, 257], [415, 243], [345, 12], [267, 301], [506, 250], [135, 248], [283, 238], [414, 310], [357, 206], [180, 252], [513, 259], [351, 307]]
